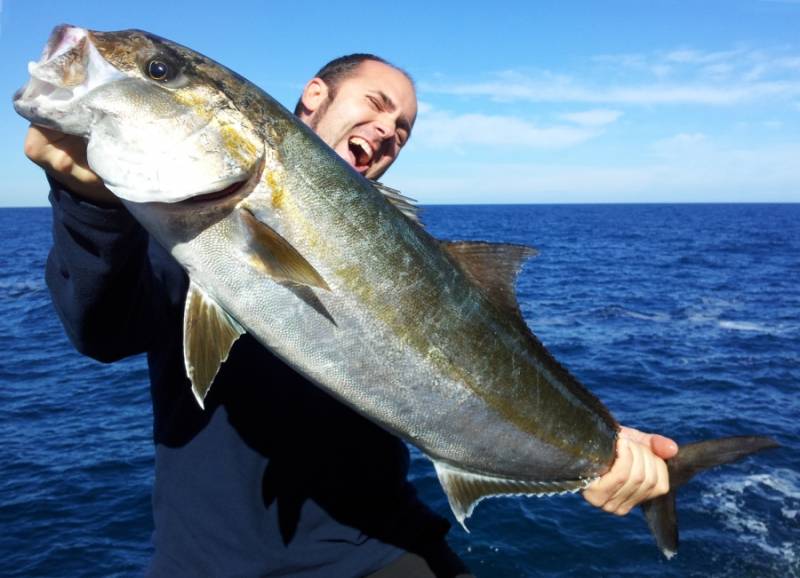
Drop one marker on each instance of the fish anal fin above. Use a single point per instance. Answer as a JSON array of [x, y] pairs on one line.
[[276, 257], [493, 267], [465, 489], [208, 335]]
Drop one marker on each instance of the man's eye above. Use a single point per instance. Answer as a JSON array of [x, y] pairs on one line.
[[374, 102]]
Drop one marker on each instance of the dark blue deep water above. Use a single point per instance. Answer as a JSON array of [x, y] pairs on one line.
[[684, 319]]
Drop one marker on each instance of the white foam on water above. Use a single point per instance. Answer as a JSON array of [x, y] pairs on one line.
[[726, 499], [22, 287], [657, 317], [745, 326]]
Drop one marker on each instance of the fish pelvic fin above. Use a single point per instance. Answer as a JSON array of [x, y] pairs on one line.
[[208, 335], [465, 489], [661, 514]]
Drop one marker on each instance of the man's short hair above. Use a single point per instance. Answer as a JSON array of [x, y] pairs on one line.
[[339, 69]]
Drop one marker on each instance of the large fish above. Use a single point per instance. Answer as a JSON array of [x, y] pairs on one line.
[[282, 239]]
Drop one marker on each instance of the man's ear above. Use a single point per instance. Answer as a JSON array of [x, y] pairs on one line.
[[314, 94]]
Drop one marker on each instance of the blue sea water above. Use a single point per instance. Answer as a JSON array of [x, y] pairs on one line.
[[684, 319]]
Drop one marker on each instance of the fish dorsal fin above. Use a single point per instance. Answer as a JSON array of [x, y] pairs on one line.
[[404, 204], [276, 257], [465, 489], [208, 335], [493, 267]]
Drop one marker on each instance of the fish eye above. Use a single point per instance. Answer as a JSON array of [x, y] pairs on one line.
[[159, 70]]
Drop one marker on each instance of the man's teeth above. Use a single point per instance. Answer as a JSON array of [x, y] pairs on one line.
[[361, 149]]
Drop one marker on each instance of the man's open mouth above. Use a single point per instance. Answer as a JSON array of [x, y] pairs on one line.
[[362, 152]]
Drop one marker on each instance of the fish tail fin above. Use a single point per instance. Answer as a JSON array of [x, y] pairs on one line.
[[692, 459]]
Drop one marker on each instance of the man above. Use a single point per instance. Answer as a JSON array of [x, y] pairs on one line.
[[274, 477]]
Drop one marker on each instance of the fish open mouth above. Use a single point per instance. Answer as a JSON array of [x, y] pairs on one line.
[[362, 153], [68, 69], [63, 65]]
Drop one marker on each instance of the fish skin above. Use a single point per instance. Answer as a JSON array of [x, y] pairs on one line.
[[457, 375], [393, 325]]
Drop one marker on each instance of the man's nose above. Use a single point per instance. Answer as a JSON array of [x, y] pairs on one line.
[[385, 128]]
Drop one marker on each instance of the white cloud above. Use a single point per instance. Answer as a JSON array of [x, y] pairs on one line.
[[711, 174], [689, 56], [643, 94], [437, 128], [595, 117], [696, 160], [681, 144], [683, 76], [423, 107]]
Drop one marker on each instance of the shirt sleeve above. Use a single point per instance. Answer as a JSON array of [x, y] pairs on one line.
[[101, 278]]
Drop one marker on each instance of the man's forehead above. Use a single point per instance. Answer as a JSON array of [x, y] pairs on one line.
[[372, 70], [387, 82]]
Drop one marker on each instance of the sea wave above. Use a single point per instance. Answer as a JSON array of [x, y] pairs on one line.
[[20, 288], [728, 499]]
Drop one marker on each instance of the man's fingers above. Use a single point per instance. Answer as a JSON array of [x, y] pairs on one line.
[[51, 149], [637, 475], [640, 483], [604, 489], [663, 447], [63, 157], [35, 143]]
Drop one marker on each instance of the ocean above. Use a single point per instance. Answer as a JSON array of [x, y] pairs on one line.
[[684, 319]]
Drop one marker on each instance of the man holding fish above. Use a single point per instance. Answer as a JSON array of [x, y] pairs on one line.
[[274, 476]]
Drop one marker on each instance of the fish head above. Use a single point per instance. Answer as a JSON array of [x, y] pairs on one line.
[[163, 123]]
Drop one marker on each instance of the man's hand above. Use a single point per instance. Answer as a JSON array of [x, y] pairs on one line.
[[638, 474], [63, 157]]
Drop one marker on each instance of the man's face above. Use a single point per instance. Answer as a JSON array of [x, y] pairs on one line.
[[369, 118]]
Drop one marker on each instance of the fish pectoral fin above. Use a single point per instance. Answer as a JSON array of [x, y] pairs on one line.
[[493, 267], [401, 202], [465, 489], [208, 335], [276, 257]]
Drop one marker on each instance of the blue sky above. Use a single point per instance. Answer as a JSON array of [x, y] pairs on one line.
[[525, 102]]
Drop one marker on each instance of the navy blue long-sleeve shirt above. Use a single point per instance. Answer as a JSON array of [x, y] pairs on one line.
[[274, 477]]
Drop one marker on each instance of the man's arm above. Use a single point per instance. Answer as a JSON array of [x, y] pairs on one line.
[[638, 474], [98, 271]]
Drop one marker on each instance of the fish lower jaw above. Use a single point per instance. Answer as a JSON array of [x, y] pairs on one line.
[[48, 104], [39, 94]]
